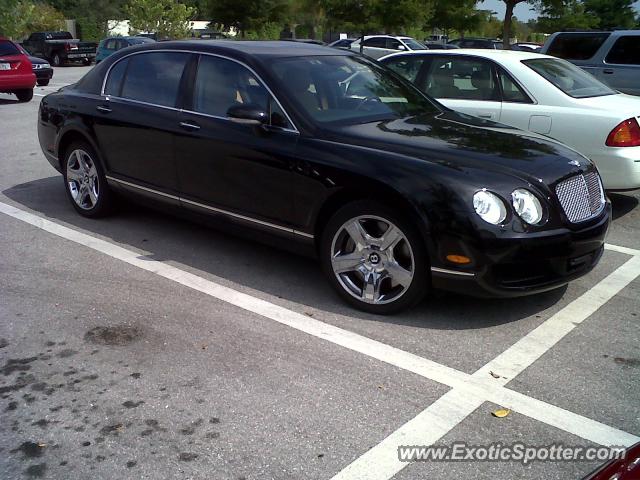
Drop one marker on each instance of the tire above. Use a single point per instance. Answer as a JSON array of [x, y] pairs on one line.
[[24, 95], [84, 181], [56, 60], [43, 83], [390, 254], [86, 62]]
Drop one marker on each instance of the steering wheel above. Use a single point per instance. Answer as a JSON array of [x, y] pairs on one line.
[[366, 100]]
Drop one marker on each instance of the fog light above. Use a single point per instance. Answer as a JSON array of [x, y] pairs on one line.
[[459, 259]]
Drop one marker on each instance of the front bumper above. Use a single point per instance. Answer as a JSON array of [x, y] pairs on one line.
[[44, 73], [525, 265]]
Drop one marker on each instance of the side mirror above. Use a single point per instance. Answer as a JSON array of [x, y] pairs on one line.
[[248, 115]]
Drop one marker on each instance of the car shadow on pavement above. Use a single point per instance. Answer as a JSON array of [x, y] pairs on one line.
[[622, 204], [8, 101], [264, 269]]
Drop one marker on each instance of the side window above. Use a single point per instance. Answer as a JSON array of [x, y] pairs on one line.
[[407, 66], [394, 44], [577, 46], [376, 42], [110, 44], [511, 91], [626, 51], [461, 78], [154, 77], [114, 82], [221, 84]]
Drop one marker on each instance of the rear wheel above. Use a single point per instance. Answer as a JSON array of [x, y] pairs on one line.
[[43, 83], [374, 258], [25, 95], [87, 61], [56, 60], [85, 182]]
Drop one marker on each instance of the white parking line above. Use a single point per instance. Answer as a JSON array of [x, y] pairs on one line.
[[469, 392], [625, 250]]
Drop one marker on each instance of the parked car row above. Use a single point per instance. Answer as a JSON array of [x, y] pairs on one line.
[[336, 155], [542, 94], [60, 48]]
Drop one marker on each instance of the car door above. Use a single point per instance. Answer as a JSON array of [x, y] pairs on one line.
[[136, 118], [35, 44], [224, 165], [519, 109], [621, 69], [464, 83], [376, 47]]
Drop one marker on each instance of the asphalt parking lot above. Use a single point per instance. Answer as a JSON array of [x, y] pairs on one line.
[[145, 346]]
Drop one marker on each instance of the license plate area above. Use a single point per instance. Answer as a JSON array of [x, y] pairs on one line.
[[5, 66]]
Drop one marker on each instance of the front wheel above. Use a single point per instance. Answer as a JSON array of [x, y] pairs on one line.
[[85, 183], [374, 258]]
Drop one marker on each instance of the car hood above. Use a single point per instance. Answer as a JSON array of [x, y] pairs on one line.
[[623, 105], [461, 141], [37, 61]]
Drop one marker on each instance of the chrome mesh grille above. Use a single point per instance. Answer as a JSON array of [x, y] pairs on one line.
[[581, 196]]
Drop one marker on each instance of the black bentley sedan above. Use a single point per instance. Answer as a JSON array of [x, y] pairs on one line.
[[328, 150]]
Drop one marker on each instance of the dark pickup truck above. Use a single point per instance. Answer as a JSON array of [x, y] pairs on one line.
[[60, 47]]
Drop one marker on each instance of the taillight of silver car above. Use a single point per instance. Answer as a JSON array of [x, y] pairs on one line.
[[626, 134]]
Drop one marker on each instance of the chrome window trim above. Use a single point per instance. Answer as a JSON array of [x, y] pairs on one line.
[[214, 209], [190, 52]]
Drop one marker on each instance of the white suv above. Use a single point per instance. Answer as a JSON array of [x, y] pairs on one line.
[[376, 46]]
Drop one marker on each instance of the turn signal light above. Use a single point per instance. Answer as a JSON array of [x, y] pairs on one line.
[[627, 134], [459, 259]]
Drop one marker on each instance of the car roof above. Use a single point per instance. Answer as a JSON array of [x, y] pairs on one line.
[[253, 48], [504, 55]]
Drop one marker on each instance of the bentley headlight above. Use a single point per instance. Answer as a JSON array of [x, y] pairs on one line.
[[527, 206], [489, 207]]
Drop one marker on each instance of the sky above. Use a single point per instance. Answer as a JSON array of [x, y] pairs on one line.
[[522, 11]]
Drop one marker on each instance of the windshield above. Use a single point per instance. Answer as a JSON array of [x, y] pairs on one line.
[[348, 90], [572, 80], [414, 44]]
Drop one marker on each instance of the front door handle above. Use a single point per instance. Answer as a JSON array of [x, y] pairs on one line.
[[192, 127], [608, 71], [103, 109]]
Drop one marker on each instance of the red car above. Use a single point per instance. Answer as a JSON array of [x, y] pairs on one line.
[[16, 72], [627, 468]]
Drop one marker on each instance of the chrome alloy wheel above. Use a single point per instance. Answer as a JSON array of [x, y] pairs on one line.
[[82, 179], [372, 259]]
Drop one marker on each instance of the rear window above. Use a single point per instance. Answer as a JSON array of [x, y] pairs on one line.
[[140, 40], [59, 36], [8, 48], [154, 77], [577, 46], [626, 51], [572, 80]]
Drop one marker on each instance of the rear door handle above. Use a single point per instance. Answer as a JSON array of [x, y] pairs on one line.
[[192, 127], [608, 71], [103, 109]]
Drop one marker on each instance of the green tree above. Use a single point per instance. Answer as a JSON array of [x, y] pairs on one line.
[[570, 14], [167, 18], [21, 17], [459, 15], [508, 15], [308, 14], [611, 13], [245, 15]]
